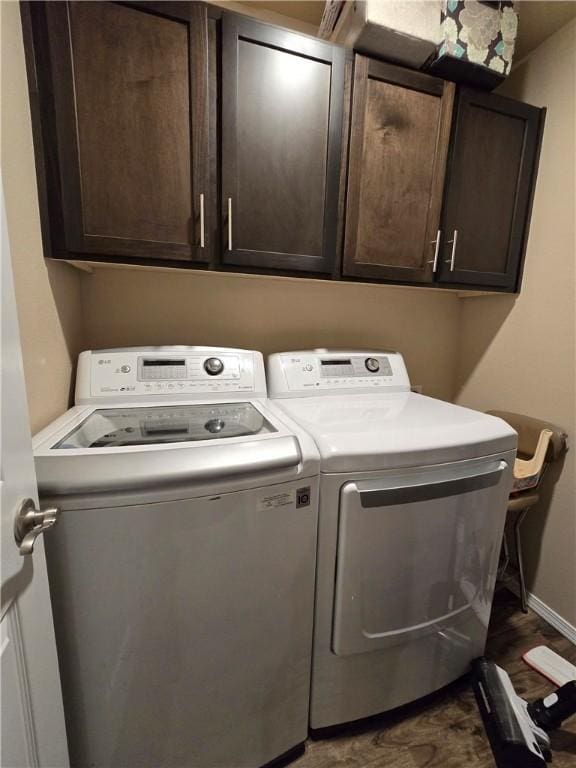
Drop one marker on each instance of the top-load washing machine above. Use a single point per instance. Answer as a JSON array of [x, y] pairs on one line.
[[413, 496], [182, 568]]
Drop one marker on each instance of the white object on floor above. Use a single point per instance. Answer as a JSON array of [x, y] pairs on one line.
[[551, 665]]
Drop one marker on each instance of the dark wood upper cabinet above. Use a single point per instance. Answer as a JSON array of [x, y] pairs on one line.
[[282, 106], [176, 132], [398, 148], [490, 184], [131, 122]]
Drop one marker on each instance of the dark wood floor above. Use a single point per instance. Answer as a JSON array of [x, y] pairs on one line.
[[446, 731]]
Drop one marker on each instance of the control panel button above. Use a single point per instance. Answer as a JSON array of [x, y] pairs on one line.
[[125, 368], [213, 366], [372, 364]]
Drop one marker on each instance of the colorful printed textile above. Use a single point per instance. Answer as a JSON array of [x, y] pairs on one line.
[[479, 32]]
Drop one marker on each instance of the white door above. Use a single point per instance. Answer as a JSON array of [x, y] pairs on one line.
[[33, 732]]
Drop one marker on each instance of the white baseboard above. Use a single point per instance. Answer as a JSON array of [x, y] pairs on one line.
[[546, 613]]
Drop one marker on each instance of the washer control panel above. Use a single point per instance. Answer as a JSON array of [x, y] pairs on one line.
[[169, 372], [324, 371], [189, 369]]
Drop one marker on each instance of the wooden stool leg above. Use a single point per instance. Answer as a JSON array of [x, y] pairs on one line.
[[501, 576], [517, 524]]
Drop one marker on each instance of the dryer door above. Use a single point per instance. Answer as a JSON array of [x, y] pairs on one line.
[[417, 553]]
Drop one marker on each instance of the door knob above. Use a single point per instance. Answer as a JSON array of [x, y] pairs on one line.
[[30, 523]]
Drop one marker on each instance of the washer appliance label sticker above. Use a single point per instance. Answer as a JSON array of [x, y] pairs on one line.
[[275, 500], [303, 497]]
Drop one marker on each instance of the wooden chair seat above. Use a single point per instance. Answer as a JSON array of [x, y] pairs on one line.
[[539, 444]]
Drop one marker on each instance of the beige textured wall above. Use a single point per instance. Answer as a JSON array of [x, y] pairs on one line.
[[124, 307], [48, 295], [516, 353], [520, 353], [60, 309]]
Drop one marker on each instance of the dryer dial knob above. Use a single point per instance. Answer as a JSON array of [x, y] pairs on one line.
[[372, 364], [213, 366]]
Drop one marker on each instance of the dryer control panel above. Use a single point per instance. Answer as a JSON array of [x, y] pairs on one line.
[[144, 373], [322, 371]]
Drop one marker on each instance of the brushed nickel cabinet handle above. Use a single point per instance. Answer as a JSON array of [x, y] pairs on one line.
[[436, 243], [202, 238], [229, 223], [452, 259]]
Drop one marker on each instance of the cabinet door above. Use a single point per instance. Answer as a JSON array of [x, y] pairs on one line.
[[490, 183], [398, 148], [130, 89], [282, 100]]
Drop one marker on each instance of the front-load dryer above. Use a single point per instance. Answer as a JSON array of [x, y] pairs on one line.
[[182, 569], [413, 496]]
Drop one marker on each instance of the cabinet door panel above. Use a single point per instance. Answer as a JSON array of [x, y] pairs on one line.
[[400, 128], [271, 180], [130, 72], [489, 190], [398, 183], [282, 114], [129, 85]]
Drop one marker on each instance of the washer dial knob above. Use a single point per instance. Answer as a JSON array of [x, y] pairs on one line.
[[214, 425], [213, 366], [372, 364]]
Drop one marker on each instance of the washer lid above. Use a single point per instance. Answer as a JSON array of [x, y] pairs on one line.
[[150, 448], [161, 424], [404, 429]]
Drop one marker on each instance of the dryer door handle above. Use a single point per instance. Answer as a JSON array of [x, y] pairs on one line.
[[408, 493]]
